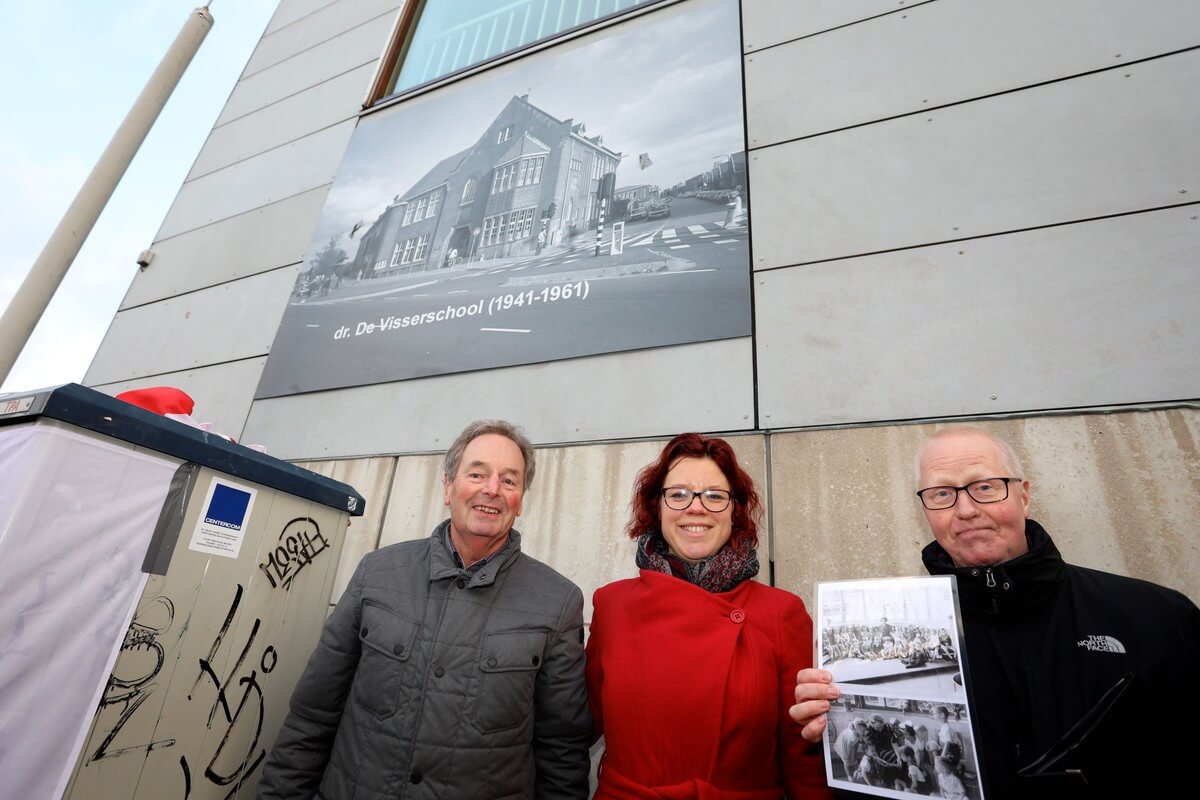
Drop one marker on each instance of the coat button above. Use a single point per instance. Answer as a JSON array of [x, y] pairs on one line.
[[398, 649], [537, 660], [439, 672], [415, 777], [737, 615], [460, 583], [364, 631], [491, 662]]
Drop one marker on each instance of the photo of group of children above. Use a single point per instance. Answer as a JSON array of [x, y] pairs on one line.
[[902, 725]]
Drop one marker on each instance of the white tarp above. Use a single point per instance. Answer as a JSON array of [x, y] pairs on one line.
[[77, 513]]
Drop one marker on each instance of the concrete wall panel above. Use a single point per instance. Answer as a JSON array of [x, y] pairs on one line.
[[230, 322], [414, 503], [1117, 492], [372, 478], [1095, 145], [291, 10], [264, 239], [768, 22], [1089, 314], [312, 29], [352, 49], [940, 53], [266, 178], [222, 392], [323, 105], [623, 395]]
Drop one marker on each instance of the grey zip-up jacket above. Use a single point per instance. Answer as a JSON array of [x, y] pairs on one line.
[[432, 682]]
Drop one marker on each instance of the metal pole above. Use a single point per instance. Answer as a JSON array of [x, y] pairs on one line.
[[39, 286], [600, 226]]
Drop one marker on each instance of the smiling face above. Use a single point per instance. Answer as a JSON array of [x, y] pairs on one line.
[[974, 534], [695, 533], [485, 495]]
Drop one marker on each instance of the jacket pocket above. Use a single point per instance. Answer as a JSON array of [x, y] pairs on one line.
[[387, 641], [509, 662]]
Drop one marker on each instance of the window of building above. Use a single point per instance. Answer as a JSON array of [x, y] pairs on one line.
[[508, 227], [408, 250], [422, 244], [434, 200], [489, 230], [504, 135], [576, 165], [468, 195], [521, 225], [419, 212], [395, 256], [440, 37], [408, 214], [503, 177], [531, 171]]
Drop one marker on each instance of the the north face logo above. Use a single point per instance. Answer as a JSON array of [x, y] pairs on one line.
[[1102, 644]]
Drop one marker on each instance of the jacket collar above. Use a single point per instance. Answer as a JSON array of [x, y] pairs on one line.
[[1011, 587], [442, 566]]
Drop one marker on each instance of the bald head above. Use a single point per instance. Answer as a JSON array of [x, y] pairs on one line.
[[972, 532]]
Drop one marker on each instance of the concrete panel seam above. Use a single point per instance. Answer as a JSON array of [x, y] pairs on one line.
[[1000, 93], [902, 9], [174, 371], [333, 124], [211, 286], [989, 235], [301, 17], [315, 45], [293, 94], [240, 213]]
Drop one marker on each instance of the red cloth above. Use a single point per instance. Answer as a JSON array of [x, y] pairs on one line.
[[160, 399], [691, 689]]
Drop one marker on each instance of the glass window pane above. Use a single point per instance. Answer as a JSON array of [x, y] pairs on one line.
[[454, 34]]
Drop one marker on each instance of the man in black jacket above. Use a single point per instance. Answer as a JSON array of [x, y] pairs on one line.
[[1070, 668]]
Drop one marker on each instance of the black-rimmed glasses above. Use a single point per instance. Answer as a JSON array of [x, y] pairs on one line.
[[985, 490], [679, 498]]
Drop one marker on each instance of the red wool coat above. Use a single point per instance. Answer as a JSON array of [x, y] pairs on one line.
[[691, 689]]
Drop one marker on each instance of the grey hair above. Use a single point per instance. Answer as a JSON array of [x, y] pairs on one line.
[[482, 427], [1012, 462]]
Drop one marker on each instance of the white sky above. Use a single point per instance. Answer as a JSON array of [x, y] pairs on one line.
[[72, 69]]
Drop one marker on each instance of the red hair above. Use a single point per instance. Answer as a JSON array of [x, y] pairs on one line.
[[647, 489]]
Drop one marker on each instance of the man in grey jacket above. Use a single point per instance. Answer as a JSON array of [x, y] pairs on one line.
[[452, 667]]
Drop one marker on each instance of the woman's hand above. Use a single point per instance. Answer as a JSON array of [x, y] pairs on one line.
[[814, 692]]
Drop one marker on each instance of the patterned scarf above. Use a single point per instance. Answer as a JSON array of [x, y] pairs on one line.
[[720, 572]]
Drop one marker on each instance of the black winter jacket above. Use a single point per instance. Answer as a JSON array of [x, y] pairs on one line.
[[1045, 640]]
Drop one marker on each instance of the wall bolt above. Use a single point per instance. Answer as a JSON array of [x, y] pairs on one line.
[[955, 227], [745, 416], [1182, 190], [993, 397], [768, 413]]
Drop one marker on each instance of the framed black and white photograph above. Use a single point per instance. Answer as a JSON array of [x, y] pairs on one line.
[[903, 724], [586, 199]]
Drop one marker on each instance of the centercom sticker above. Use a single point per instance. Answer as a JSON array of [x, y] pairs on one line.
[[223, 519]]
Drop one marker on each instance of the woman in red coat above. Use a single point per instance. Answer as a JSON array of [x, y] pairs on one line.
[[691, 666]]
